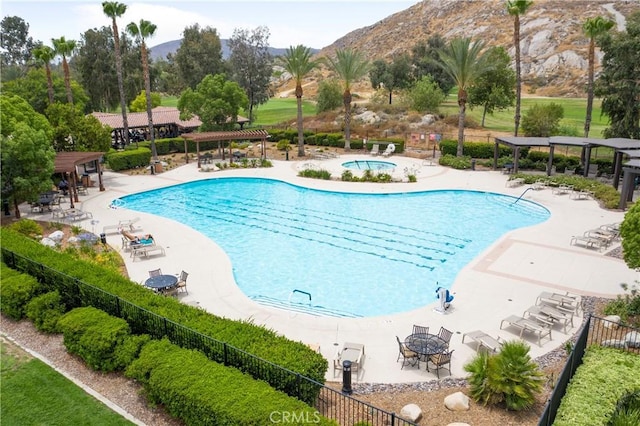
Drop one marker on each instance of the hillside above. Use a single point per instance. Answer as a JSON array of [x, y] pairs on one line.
[[553, 45]]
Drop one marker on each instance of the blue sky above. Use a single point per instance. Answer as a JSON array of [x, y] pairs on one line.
[[313, 23]]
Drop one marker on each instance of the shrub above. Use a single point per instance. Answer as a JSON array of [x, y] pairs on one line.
[[27, 227], [426, 95], [95, 336], [460, 163], [283, 145], [508, 377], [626, 306], [329, 95], [45, 310], [16, 290], [129, 159], [542, 120], [316, 174]]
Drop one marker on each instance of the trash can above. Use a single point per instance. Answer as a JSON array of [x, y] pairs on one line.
[[103, 238], [158, 167], [86, 180], [346, 377], [473, 164]]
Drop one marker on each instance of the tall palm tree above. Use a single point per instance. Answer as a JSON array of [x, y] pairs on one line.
[[46, 54], [464, 61], [65, 48], [297, 62], [115, 10], [141, 32], [350, 65], [515, 9], [593, 28]]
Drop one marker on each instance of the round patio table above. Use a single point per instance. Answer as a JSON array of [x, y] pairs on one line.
[[425, 344], [161, 282]]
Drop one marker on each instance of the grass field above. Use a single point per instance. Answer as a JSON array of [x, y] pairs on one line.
[[32, 393], [277, 110]]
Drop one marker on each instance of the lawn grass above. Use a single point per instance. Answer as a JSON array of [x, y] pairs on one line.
[[574, 114], [32, 393]]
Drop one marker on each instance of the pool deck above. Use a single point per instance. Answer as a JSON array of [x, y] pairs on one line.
[[503, 280]]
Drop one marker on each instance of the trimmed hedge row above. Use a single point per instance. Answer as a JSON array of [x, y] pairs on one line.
[[16, 290], [333, 140], [254, 339], [612, 372], [201, 392], [477, 149], [128, 159], [104, 342]]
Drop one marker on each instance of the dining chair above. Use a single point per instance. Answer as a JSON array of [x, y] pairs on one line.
[[408, 356], [440, 360], [155, 273], [182, 282], [445, 335], [418, 329]]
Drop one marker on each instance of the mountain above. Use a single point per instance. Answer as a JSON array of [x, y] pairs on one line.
[[554, 49], [162, 50]]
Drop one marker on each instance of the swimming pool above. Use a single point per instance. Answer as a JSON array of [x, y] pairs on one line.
[[350, 254], [369, 165]]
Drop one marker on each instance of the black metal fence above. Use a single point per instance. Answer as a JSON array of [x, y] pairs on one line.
[[595, 331], [329, 402]]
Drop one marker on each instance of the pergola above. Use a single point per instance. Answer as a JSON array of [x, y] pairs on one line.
[[621, 146], [67, 163], [236, 135]]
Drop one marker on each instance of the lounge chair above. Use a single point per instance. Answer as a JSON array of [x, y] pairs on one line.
[[587, 242], [565, 302], [550, 314], [375, 149], [391, 148], [128, 223], [146, 250], [408, 356], [534, 326], [353, 352], [483, 340]]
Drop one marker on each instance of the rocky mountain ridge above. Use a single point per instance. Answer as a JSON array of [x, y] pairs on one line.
[[554, 48]]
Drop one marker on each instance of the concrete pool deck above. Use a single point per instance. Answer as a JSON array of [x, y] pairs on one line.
[[503, 280]]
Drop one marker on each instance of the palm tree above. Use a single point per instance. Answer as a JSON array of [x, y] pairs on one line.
[[141, 32], [297, 62], [464, 61], [65, 48], [114, 10], [350, 65], [593, 28], [46, 54], [515, 9]]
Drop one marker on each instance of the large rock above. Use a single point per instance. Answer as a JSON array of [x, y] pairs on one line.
[[614, 343], [48, 242], [411, 412], [612, 321], [633, 339], [457, 402], [56, 236], [367, 117]]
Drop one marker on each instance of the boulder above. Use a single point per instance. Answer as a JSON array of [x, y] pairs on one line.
[[56, 236], [457, 402], [367, 117], [614, 343], [632, 339], [411, 412], [612, 321], [48, 242]]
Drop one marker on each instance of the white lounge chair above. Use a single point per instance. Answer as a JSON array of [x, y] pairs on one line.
[[128, 223], [353, 352], [391, 148], [483, 340], [534, 326], [375, 149]]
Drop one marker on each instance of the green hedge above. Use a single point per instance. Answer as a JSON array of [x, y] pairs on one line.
[[16, 290], [129, 159], [45, 310], [254, 339], [460, 163], [604, 377], [478, 149], [98, 338], [201, 392]]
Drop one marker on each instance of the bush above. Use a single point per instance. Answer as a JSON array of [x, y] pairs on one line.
[[27, 227], [508, 377], [329, 95], [45, 310], [478, 149], [542, 120], [129, 159], [95, 336], [16, 290], [315, 174], [626, 306], [426, 95], [460, 163]]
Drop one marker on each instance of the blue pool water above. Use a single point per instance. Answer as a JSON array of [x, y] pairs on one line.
[[369, 165], [351, 254]]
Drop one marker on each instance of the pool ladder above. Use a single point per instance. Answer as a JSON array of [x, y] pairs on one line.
[[301, 292]]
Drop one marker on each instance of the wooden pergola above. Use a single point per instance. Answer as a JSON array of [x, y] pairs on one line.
[[66, 163], [235, 135]]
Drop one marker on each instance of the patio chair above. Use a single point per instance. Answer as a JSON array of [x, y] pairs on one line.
[[440, 360], [535, 326], [155, 273], [391, 148], [445, 335], [418, 329], [483, 340], [375, 149], [407, 354], [565, 302], [550, 314], [353, 352], [182, 282]]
